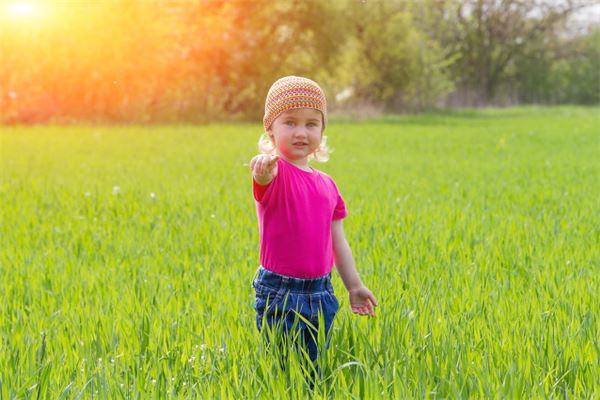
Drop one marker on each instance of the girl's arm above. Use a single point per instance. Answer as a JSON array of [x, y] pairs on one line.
[[362, 300]]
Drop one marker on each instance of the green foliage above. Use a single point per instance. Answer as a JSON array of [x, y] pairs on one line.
[[244, 47], [497, 46], [382, 46], [387, 61], [131, 251], [130, 61], [209, 60], [562, 71], [583, 70]]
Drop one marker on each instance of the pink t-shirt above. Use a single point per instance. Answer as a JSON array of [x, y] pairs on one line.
[[294, 213]]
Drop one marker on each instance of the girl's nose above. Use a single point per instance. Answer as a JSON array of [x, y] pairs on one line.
[[301, 131]]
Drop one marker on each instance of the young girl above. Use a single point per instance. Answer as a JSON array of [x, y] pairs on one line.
[[300, 214]]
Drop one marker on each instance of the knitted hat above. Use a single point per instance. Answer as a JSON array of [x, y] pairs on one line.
[[293, 92]]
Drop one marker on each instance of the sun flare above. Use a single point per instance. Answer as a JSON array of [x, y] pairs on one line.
[[22, 9]]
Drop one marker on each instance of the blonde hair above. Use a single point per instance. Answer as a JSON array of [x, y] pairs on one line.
[[266, 146]]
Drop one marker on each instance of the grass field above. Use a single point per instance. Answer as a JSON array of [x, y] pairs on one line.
[[127, 255]]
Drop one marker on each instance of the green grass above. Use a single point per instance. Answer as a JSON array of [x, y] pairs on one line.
[[127, 255]]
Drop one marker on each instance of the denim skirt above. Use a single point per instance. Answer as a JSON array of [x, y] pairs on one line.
[[280, 300]]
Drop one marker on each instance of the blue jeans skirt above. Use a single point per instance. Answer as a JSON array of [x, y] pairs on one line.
[[295, 305]]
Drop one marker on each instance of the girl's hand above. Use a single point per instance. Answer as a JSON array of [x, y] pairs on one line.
[[362, 301], [264, 168]]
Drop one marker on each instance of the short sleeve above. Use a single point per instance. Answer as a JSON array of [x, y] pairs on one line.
[[340, 208], [259, 190]]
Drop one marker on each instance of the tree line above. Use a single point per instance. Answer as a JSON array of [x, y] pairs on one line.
[[206, 60]]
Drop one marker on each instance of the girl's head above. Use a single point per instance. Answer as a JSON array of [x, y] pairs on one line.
[[294, 120]]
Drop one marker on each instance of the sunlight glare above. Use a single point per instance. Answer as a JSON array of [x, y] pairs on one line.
[[22, 9]]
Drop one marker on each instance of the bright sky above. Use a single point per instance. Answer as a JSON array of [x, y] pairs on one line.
[[25, 13], [21, 9], [24, 9]]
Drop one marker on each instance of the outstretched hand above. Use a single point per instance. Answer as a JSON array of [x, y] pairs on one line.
[[362, 301], [264, 168]]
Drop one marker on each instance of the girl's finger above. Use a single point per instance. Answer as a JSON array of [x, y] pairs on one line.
[[258, 168], [261, 166], [272, 164], [372, 299]]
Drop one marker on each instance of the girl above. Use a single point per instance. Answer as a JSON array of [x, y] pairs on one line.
[[300, 214]]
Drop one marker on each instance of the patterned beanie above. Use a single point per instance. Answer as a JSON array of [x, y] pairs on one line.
[[293, 92]]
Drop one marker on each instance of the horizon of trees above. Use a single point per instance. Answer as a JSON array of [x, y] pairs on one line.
[[206, 60]]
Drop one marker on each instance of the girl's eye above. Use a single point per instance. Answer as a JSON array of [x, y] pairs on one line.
[[290, 123], [312, 124]]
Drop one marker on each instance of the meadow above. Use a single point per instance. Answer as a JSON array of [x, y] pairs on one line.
[[127, 254]]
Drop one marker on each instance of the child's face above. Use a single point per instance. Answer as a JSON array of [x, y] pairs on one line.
[[297, 133]]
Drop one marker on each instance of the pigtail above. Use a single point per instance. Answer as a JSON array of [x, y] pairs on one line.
[[265, 144], [321, 154]]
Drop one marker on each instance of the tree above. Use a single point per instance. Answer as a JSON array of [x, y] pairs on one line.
[[489, 34]]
